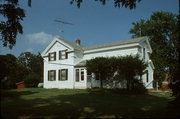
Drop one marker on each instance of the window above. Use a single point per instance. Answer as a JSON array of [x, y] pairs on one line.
[[52, 56], [63, 74], [79, 75], [147, 76], [144, 53], [63, 54], [82, 74], [51, 75]]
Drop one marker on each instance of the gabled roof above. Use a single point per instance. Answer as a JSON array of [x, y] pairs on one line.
[[121, 42], [81, 64], [71, 45], [74, 46]]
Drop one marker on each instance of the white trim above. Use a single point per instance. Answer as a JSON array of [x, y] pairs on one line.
[[150, 49], [151, 63], [53, 43], [146, 39]]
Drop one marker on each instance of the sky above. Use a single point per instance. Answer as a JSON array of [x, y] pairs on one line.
[[93, 23]]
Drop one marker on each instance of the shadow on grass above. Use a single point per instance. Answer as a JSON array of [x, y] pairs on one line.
[[81, 103]]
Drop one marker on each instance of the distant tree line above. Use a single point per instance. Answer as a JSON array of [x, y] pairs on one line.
[[27, 67]]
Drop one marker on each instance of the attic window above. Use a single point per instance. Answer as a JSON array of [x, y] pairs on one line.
[[52, 56], [63, 54]]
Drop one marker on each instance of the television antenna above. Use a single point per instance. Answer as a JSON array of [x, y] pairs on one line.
[[62, 23]]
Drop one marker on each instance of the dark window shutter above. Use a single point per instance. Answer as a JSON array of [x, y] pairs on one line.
[[66, 74], [60, 55], [48, 75], [66, 55], [54, 55], [59, 75], [147, 76], [54, 74], [49, 57], [144, 53]]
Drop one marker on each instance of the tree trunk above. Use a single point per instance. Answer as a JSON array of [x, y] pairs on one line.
[[101, 83], [127, 84], [101, 78]]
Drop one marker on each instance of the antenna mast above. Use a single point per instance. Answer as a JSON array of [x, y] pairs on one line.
[[62, 24]]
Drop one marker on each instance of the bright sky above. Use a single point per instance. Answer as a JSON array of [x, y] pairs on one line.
[[93, 23]]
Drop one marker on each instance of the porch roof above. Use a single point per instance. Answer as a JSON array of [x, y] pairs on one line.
[[81, 64]]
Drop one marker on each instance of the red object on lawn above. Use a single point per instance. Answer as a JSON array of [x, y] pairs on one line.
[[20, 84], [164, 86]]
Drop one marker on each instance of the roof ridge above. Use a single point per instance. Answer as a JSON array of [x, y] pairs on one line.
[[119, 42], [73, 44]]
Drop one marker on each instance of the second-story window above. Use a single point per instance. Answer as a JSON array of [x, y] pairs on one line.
[[52, 56], [63, 54]]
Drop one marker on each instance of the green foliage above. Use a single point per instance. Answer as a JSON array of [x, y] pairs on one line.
[[32, 80], [31, 62], [126, 67], [129, 67], [131, 4], [163, 31], [14, 70], [8, 68], [100, 66], [10, 26]]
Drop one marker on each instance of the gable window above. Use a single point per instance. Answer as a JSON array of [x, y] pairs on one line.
[[51, 75], [52, 56], [63, 74], [63, 54]]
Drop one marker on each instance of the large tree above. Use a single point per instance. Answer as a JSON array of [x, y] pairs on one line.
[[27, 67], [101, 67], [31, 62], [120, 68], [163, 31], [10, 26]]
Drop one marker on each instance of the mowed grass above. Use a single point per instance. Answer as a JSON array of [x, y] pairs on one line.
[[93, 103]]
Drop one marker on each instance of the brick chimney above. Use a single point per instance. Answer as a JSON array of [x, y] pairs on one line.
[[78, 42]]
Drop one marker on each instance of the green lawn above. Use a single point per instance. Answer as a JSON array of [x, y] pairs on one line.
[[55, 103]]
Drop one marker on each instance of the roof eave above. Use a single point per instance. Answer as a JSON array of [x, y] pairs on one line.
[[52, 43]]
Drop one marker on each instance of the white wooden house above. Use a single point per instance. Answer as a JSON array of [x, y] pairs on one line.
[[64, 61]]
